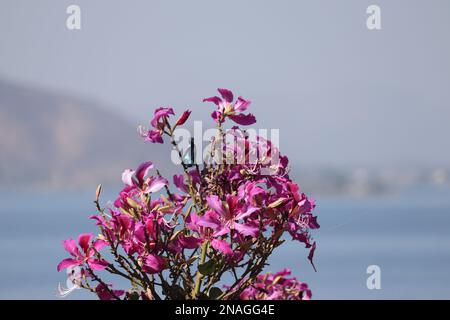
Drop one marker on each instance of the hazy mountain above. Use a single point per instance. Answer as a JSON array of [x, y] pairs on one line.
[[54, 141], [49, 140]]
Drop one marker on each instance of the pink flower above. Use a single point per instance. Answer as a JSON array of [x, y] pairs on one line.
[[188, 242], [222, 246], [154, 264], [205, 225], [250, 191], [276, 287], [125, 193], [156, 183], [227, 216], [243, 119], [226, 108], [178, 180], [209, 227], [195, 177], [158, 123], [104, 294], [153, 136], [137, 179], [233, 212], [85, 255], [160, 115], [127, 177], [133, 178], [142, 171]]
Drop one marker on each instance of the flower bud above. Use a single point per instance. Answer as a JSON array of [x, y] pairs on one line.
[[98, 192], [183, 118], [277, 203]]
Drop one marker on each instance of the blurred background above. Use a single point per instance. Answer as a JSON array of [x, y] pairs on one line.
[[363, 115]]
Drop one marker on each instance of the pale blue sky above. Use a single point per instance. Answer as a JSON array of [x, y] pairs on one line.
[[341, 94]]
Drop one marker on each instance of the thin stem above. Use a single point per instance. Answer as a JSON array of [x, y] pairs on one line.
[[199, 275]]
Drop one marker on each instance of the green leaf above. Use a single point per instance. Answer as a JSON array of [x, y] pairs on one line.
[[178, 292], [214, 293], [133, 295], [206, 268]]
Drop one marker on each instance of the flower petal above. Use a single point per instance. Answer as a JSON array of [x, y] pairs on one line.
[[96, 264], [178, 180], [142, 171], [154, 263], [71, 246], [222, 246], [246, 230], [104, 294], [208, 220], [84, 240], [67, 263], [222, 231], [246, 213], [156, 184], [216, 116], [160, 113], [189, 242], [226, 94], [127, 177], [99, 244], [154, 136], [312, 223], [243, 119], [216, 204], [215, 100], [241, 105]]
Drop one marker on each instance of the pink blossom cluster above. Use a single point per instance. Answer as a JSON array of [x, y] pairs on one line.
[[177, 240], [276, 287]]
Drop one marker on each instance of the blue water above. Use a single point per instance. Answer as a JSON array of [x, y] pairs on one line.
[[407, 236]]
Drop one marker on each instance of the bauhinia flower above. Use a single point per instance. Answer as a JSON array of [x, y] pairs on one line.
[[104, 292], [154, 264], [233, 211], [226, 108], [87, 254], [154, 136], [277, 287], [160, 116], [158, 123], [177, 240], [137, 179]]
